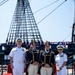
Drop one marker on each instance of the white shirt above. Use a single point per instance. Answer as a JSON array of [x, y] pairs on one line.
[[18, 55], [46, 51], [60, 59]]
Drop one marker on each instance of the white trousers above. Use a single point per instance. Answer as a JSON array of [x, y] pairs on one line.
[[62, 72], [18, 69], [46, 71], [32, 70]]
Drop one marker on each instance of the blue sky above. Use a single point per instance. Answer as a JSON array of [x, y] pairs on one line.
[[56, 27]]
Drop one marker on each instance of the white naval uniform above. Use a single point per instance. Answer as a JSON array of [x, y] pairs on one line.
[[60, 59], [18, 55]]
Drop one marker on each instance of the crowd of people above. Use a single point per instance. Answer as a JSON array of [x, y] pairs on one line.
[[35, 60]]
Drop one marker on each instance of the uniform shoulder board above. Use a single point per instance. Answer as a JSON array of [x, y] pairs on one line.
[[52, 52], [41, 51], [26, 50]]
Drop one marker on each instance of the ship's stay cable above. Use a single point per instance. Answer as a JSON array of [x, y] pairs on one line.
[[46, 6], [52, 11], [67, 37], [3, 2]]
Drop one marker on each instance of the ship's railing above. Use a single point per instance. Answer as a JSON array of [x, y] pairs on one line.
[[5, 50]]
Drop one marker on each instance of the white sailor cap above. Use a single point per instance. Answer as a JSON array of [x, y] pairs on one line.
[[60, 47], [19, 40]]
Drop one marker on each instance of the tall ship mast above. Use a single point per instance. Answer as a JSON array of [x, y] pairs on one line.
[[23, 23]]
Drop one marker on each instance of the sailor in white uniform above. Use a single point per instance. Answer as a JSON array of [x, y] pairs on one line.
[[17, 58], [61, 60]]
